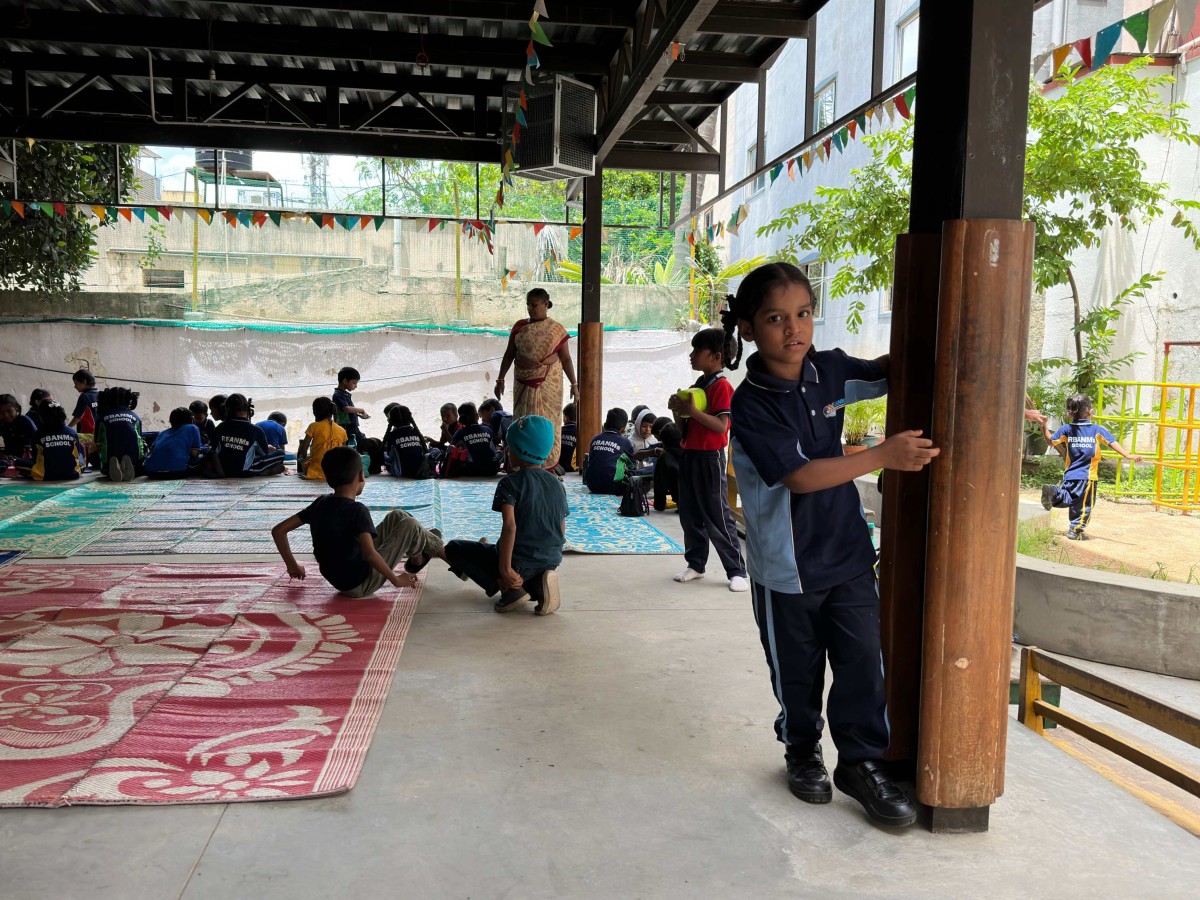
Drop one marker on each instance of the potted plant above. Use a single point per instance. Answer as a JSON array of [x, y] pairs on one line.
[[860, 422]]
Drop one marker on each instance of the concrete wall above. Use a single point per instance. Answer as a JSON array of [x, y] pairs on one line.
[[285, 371], [1120, 620]]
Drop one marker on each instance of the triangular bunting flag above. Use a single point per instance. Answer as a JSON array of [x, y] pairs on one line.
[[861, 119], [327, 221], [189, 214], [837, 140], [1084, 49], [434, 223], [1159, 14], [206, 215], [845, 133], [902, 107], [1106, 40], [910, 98], [531, 55], [101, 212], [1040, 60], [6, 206], [1059, 56], [889, 106], [775, 172], [691, 238], [806, 156], [126, 213], [19, 208], [742, 212], [34, 205], [166, 212], [259, 218], [364, 221], [60, 209], [379, 220], [539, 7], [575, 232], [828, 145], [516, 139], [708, 234], [508, 161], [674, 51], [539, 35], [791, 167], [520, 117], [537, 228], [82, 210], [152, 213], [523, 99], [547, 265], [721, 229], [276, 217], [231, 218], [140, 213], [245, 216], [852, 127], [1185, 19], [1138, 26]]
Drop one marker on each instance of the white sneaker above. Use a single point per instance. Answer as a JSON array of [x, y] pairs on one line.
[[689, 574], [738, 584]]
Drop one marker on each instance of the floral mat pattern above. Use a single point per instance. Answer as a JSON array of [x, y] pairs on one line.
[[188, 684]]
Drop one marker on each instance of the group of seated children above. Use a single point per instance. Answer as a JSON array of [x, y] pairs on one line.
[[649, 447], [358, 558]]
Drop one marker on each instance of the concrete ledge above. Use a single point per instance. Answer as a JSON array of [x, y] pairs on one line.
[[1120, 620], [868, 493]]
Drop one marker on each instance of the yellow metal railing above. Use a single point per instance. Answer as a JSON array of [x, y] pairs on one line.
[[1160, 421]]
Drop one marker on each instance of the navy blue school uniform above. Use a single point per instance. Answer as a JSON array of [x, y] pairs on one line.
[[342, 399], [499, 422], [208, 432], [570, 438], [87, 410], [603, 454], [118, 434], [18, 436], [810, 557], [1084, 442], [404, 451], [241, 448], [56, 457], [482, 456], [276, 433]]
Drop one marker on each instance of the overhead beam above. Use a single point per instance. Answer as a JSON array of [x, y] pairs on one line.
[[279, 76], [691, 71], [655, 132], [683, 18], [663, 161], [756, 20], [596, 15], [299, 42], [70, 93], [109, 129], [684, 98], [689, 130]]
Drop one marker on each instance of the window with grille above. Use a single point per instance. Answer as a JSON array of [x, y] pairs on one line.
[[826, 105]]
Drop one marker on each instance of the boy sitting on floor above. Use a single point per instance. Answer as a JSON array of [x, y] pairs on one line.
[[533, 503], [352, 556]]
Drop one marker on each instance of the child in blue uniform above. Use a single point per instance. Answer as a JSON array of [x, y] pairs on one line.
[[477, 439], [604, 473], [404, 447], [807, 544], [570, 438], [240, 446], [1082, 441], [84, 416], [16, 430], [176, 451], [57, 454], [207, 427], [119, 434], [274, 427]]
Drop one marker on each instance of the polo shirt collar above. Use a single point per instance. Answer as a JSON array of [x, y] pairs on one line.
[[757, 374]]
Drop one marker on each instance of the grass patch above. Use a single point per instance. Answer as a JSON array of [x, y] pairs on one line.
[[1039, 540]]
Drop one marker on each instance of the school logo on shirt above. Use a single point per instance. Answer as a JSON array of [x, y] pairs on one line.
[[832, 409]]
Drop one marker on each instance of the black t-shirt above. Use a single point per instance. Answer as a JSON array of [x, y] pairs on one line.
[[18, 436], [566, 456], [481, 449], [335, 523], [233, 441], [408, 446]]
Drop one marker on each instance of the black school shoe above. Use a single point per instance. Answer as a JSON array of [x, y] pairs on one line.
[[807, 776], [510, 600], [869, 784], [1047, 496]]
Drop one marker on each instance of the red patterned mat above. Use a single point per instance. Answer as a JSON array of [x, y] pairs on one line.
[[187, 684]]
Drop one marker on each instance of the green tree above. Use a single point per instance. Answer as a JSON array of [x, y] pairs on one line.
[[1083, 170], [51, 252]]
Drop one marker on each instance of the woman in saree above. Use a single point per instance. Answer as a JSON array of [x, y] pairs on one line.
[[539, 352]]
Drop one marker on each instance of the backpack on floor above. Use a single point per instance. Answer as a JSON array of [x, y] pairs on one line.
[[634, 502]]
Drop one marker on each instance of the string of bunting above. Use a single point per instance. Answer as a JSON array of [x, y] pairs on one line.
[[537, 35], [871, 119], [1145, 27]]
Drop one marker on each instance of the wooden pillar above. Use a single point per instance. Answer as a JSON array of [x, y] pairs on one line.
[[591, 329], [968, 164]]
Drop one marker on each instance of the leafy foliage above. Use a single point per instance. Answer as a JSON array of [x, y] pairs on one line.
[[51, 253]]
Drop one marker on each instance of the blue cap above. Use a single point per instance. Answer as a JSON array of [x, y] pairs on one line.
[[531, 438]]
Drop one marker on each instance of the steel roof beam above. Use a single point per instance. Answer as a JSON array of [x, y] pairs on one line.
[[663, 161], [757, 20]]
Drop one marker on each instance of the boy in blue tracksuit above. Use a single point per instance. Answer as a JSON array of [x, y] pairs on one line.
[[604, 473], [1082, 442], [808, 548]]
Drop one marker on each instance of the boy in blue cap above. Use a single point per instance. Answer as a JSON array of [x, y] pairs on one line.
[[533, 503]]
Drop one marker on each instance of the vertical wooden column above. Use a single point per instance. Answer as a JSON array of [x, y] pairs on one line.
[[591, 329], [906, 494], [983, 319]]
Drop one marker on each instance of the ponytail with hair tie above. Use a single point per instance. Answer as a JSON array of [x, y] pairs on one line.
[[733, 337]]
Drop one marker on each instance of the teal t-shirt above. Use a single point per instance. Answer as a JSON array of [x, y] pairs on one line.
[[539, 503]]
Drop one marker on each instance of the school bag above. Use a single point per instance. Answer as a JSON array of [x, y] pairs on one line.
[[634, 502]]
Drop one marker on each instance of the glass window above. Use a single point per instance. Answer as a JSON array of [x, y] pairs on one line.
[[825, 102], [820, 285], [906, 45], [751, 164], [885, 302]]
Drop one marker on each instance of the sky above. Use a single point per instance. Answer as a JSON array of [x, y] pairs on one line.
[[285, 167]]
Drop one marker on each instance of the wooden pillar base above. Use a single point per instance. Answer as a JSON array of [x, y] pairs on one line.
[[972, 820], [591, 384]]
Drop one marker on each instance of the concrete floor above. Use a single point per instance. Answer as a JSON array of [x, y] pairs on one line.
[[622, 747]]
